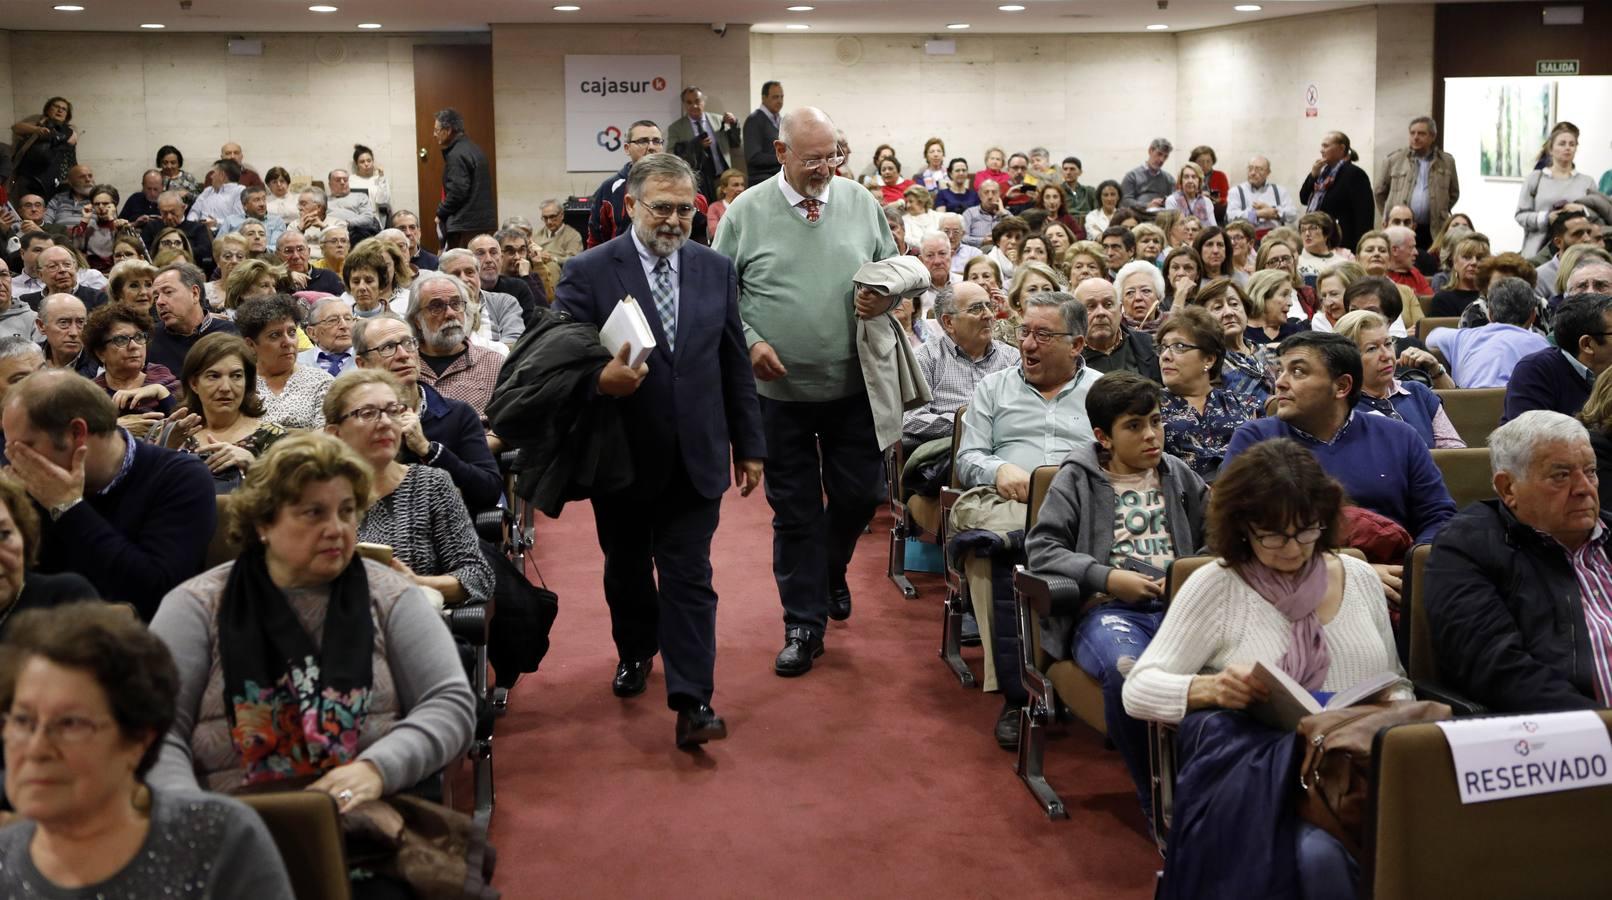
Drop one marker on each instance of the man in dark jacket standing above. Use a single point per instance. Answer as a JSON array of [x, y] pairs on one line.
[[1341, 189], [760, 130], [1519, 589], [467, 207], [693, 426]]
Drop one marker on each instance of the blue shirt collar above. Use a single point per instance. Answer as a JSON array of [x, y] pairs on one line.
[[128, 463], [1342, 430]]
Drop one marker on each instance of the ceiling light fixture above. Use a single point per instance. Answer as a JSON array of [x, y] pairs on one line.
[[1011, 7], [801, 8], [68, 7], [1157, 27], [567, 8], [1248, 7], [153, 25], [957, 26], [797, 27], [369, 25], [322, 9]]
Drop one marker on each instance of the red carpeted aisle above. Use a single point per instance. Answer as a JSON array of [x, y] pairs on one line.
[[875, 775]]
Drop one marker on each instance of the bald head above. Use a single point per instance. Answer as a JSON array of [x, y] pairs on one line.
[[1259, 169], [799, 124], [808, 150]]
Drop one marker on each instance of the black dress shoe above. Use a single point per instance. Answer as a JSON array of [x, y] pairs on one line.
[[839, 603], [631, 677], [1007, 727], [969, 635], [800, 648], [699, 724]]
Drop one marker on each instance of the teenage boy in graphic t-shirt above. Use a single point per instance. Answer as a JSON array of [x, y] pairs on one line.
[[1117, 514]]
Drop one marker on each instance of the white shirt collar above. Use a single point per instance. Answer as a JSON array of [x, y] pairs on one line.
[[648, 258], [793, 197]]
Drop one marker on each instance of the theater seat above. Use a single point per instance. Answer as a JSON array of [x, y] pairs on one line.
[[1466, 474], [1421, 841], [1424, 327], [1414, 637], [307, 831], [221, 549], [1474, 412]]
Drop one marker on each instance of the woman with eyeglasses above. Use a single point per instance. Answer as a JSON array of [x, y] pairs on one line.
[[1283, 256], [1411, 402], [229, 251], [172, 244], [1199, 415], [1281, 596], [143, 392], [89, 696], [293, 394], [417, 510], [220, 386], [128, 246]]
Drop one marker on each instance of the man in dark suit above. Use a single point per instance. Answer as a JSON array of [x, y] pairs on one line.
[[690, 412], [59, 267], [606, 215], [760, 130], [1341, 189], [703, 140], [171, 214]]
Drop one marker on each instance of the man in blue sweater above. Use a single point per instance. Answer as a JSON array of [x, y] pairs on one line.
[[133, 518], [1381, 462], [1560, 378]]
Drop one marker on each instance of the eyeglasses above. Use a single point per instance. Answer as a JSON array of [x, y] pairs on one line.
[[1138, 292], [667, 210], [62, 731], [1041, 335], [122, 341], [980, 309], [833, 162], [648, 142], [170, 242], [1176, 348], [368, 414], [441, 307], [390, 348], [341, 318], [1278, 540]]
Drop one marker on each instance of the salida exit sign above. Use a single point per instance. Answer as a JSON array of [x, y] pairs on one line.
[[1556, 67]]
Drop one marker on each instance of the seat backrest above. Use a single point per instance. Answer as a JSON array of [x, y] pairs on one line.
[[221, 549], [1466, 474], [1425, 301], [1415, 637], [307, 831], [1040, 483], [1474, 412], [957, 441], [1180, 571], [1424, 327], [1421, 841]]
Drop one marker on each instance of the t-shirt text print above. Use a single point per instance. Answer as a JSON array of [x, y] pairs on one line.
[[1140, 529]]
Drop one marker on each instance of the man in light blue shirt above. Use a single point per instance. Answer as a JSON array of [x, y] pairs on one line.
[[1485, 357], [254, 208]]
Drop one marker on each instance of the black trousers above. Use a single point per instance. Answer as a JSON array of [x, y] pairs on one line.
[[815, 449], [657, 581]]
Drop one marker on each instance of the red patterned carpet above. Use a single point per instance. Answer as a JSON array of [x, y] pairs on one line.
[[875, 775]]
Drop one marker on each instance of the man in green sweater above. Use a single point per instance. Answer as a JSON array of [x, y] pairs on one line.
[[796, 240]]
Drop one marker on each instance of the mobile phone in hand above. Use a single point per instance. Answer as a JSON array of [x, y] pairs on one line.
[[1140, 567]]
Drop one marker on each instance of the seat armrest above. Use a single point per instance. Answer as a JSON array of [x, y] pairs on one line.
[[490, 525], [506, 460], [469, 621], [1053, 595], [1429, 690]]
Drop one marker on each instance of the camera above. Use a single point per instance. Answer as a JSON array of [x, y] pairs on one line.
[[720, 29]]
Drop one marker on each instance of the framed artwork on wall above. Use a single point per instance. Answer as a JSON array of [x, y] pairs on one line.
[[1516, 119]]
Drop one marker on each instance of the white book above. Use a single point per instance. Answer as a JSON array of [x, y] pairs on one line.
[[628, 327], [1289, 701]]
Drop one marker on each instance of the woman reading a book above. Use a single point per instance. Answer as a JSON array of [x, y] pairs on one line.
[[1277, 598]]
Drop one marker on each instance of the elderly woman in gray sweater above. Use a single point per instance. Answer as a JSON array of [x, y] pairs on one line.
[[302, 663]]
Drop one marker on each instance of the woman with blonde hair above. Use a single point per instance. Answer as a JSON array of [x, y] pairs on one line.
[[249, 279], [1150, 241], [729, 185], [1190, 198], [229, 251], [1271, 294], [918, 214], [1334, 279], [1028, 278], [1083, 260]]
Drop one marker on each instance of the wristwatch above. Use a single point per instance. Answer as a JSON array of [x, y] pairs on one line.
[[60, 509]]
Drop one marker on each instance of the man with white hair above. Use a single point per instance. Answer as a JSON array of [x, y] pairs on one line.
[[354, 208], [1519, 588], [1110, 346], [501, 318], [796, 247], [935, 251], [292, 248], [954, 362], [1402, 260], [59, 268], [330, 326], [556, 242], [61, 323], [951, 225], [439, 308], [1261, 202]]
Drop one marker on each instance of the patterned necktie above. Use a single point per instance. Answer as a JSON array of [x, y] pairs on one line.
[[331, 362], [664, 304], [814, 209]]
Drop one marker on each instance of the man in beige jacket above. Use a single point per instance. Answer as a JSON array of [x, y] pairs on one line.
[[1422, 177]]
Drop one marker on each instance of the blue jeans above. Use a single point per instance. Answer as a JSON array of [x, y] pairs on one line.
[[1104, 636]]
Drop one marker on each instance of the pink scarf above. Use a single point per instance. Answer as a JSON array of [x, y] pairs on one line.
[[1297, 596]]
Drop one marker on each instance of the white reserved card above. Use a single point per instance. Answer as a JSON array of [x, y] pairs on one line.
[[1515, 756]]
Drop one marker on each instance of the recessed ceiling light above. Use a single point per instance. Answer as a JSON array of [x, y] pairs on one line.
[[322, 9], [1157, 27], [567, 8], [153, 25], [797, 27], [370, 25], [1248, 7], [68, 7], [801, 8], [957, 26], [1011, 7]]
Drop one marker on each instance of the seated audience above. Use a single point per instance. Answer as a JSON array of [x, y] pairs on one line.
[[1270, 292], [130, 285], [221, 388], [251, 280], [22, 588], [1517, 597], [1330, 287], [1411, 402], [183, 315], [142, 392], [1589, 271], [1083, 260], [1247, 369], [1119, 246], [416, 509], [1279, 595], [1260, 202], [1141, 290], [979, 221], [221, 199], [518, 259], [1244, 249], [438, 432], [1110, 345], [1183, 272], [1386, 299], [293, 395], [330, 327], [1486, 356], [1375, 257], [93, 236], [371, 278], [171, 217], [1319, 235], [61, 322], [132, 517], [1559, 378], [66, 206], [1446, 264], [354, 208], [453, 364], [59, 267], [1199, 418], [1006, 237], [1100, 215], [958, 193], [254, 212], [954, 362], [1569, 229], [16, 317], [919, 216], [1381, 462], [1147, 186], [19, 358], [892, 184], [490, 267], [1018, 419], [1190, 197], [1031, 278], [173, 245], [1463, 287], [951, 225], [499, 313], [293, 250], [229, 251], [1117, 500], [1214, 256], [395, 705], [101, 688], [1402, 261]]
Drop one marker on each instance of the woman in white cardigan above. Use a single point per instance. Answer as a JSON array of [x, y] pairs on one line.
[[1280, 596]]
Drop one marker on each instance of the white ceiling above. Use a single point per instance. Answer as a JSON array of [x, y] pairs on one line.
[[830, 16]]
